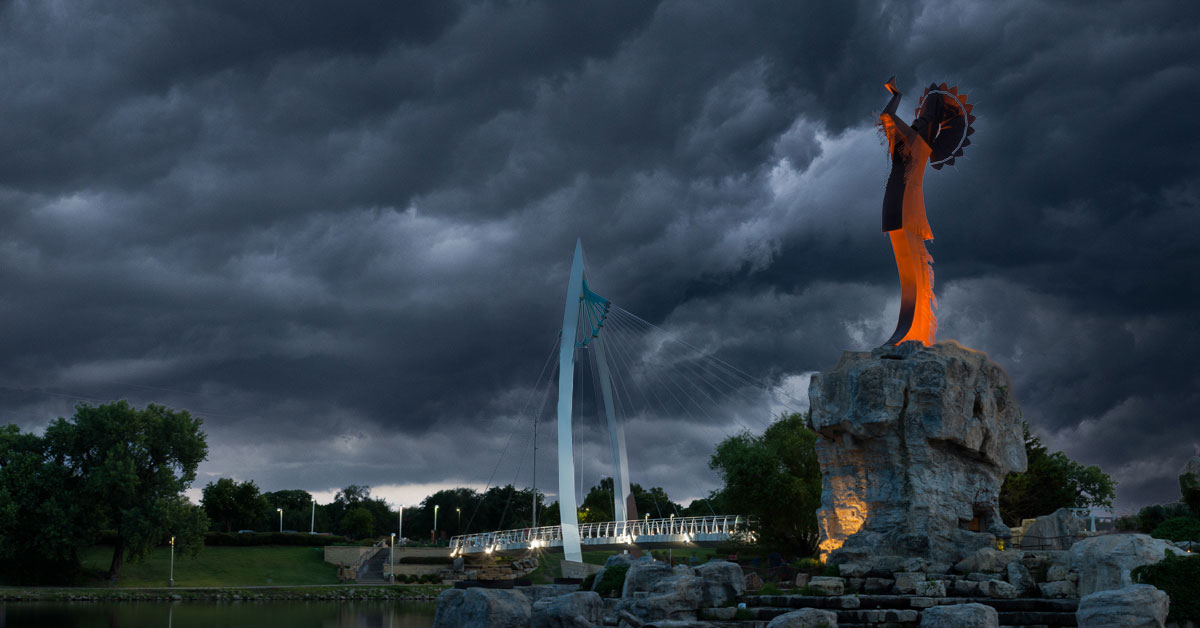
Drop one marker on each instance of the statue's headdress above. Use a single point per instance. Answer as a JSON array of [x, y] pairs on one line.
[[949, 114]]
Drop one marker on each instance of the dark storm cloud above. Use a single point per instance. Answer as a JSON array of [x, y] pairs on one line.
[[343, 236]]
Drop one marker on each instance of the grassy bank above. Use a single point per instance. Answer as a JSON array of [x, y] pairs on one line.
[[215, 567]]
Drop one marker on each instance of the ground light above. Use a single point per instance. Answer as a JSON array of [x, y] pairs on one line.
[[280, 511], [171, 579]]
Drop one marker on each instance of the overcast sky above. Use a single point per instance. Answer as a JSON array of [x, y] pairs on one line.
[[342, 236]]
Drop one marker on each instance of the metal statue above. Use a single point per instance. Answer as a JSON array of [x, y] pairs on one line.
[[936, 137]]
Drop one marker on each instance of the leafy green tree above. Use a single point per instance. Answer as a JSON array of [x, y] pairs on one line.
[[298, 511], [1189, 487], [776, 479], [231, 504], [358, 522], [1052, 481], [42, 520], [134, 466]]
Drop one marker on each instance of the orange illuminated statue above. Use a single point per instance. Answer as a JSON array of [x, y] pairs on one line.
[[936, 137]]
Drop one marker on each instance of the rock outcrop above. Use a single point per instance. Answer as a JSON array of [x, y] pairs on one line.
[[805, 618], [1056, 531], [914, 443], [960, 616], [584, 609], [1135, 606], [723, 582], [654, 591], [494, 608], [1105, 562]]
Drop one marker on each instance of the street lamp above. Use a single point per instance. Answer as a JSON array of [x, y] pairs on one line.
[[393, 552], [280, 511], [400, 523], [435, 511], [171, 580], [459, 528], [312, 523]]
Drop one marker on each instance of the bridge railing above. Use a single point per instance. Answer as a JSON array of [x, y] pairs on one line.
[[614, 532]]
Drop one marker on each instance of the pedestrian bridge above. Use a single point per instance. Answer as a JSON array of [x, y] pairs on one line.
[[647, 533]]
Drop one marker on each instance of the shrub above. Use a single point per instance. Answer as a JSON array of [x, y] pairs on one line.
[[1178, 529], [613, 580], [1150, 517], [832, 571], [770, 588], [1177, 575], [588, 581]]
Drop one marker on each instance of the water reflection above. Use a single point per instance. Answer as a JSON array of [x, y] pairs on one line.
[[218, 615]]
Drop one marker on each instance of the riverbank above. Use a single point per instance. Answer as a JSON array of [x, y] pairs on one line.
[[330, 593]]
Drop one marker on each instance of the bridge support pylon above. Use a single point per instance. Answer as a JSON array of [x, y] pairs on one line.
[[577, 294]]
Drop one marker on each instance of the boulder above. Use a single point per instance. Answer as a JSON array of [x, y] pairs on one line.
[[1104, 562], [931, 588], [801, 580], [643, 575], [913, 444], [1055, 531], [583, 609], [486, 608], [960, 616], [906, 581], [1058, 589], [1021, 579], [1134, 606], [997, 589], [723, 582], [753, 582], [988, 560], [805, 618], [828, 585], [655, 592]]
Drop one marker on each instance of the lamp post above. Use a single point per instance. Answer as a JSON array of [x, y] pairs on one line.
[[312, 522], [280, 511], [459, 528], [435, 513], [400, 523], [393, 558], [171, 579]]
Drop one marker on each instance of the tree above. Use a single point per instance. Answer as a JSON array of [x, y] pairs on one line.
[[1051, 481], [776, 479], [231, 504], [358, 522], [1189, 487], [42, 521], [297, 505], [134, 466]]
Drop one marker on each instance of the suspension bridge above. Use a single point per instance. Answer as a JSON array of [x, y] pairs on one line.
[[637, 369]]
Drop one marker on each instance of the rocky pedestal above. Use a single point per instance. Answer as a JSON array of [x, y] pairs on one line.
[[914, 443]]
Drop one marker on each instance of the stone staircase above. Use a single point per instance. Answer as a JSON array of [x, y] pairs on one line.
[[897, 611], [371, 571]]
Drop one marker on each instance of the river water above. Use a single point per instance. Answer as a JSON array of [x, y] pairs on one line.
[[217, 614]]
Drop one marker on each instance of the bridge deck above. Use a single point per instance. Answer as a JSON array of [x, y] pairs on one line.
[[606, 535]]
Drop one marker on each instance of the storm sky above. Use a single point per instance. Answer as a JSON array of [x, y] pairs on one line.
[[342, 234]]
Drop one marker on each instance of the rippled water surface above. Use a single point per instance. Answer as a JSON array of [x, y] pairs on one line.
[[218, 615]]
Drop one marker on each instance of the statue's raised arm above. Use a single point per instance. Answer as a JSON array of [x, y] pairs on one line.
[[936, 137]]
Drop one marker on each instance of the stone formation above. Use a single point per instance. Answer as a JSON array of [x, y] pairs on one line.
[[914, 443]]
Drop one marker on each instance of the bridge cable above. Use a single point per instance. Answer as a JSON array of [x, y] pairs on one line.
[[524, 409]]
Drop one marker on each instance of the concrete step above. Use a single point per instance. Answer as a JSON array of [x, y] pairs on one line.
[[904, 611]]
